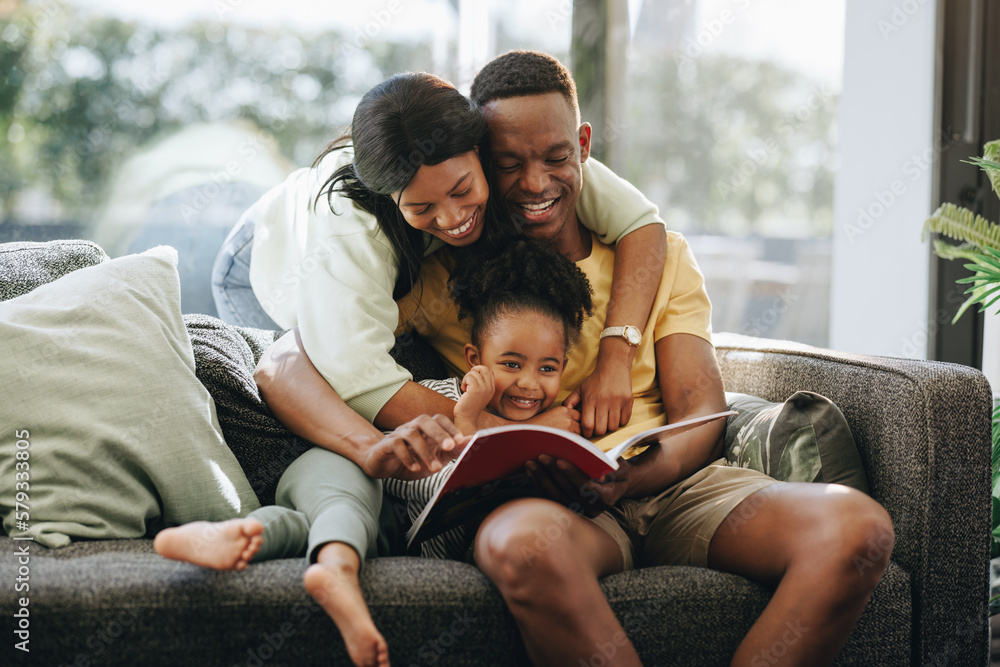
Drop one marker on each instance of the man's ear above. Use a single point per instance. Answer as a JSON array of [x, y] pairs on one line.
[[585, 131], [471, 355]]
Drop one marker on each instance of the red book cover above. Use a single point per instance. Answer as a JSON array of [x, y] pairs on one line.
[[491, 469]]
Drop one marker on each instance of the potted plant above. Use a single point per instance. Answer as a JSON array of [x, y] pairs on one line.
[[980, 248]]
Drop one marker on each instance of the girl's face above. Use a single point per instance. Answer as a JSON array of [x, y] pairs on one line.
[[526, 351], [447, 200]]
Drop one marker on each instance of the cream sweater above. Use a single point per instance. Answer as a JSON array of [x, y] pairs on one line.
[[331, 273]]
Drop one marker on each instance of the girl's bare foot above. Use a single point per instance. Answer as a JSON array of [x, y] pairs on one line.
[[333, 583], [221, 545]]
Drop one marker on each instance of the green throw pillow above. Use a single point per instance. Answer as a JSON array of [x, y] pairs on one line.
[[107, 432], [803, 439]]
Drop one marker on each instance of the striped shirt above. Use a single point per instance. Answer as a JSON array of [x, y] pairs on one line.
[[452, 544]]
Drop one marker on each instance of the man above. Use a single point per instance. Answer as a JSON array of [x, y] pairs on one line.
[[672, 504]]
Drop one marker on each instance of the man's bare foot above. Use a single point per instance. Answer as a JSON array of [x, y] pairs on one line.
[[335, 587], [221, 545]]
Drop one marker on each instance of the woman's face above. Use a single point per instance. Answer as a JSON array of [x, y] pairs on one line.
[[447, 200]]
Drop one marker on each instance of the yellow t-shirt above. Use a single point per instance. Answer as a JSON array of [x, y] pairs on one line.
[[681, 305]]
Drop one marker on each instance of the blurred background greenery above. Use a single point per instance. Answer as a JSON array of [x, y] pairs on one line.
[[109, 109]]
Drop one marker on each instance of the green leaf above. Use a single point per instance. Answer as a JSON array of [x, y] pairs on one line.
[[992, 301], [987, 260], [991, 164], [965, 306], [945, 250], [962, 224]]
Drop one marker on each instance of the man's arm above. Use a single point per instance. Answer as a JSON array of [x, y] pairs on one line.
[[691, 386], [604, 399]]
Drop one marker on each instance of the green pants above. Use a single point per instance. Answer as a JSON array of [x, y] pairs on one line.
[[322, 497]]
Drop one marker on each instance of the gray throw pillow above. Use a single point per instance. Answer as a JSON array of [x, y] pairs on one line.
[[26, 265], [225, 358], [802, 439]]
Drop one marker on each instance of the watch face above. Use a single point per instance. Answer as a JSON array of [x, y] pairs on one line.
[[632, 335]]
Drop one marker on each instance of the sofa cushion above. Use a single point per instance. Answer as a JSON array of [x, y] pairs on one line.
[[803, 439], [225, 358], [115, 436], [118, 603], [26, 265]]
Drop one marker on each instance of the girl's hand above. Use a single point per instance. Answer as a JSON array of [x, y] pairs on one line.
[[478, 387]]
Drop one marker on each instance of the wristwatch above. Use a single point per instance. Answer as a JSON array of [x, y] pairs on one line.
[[632, 335]]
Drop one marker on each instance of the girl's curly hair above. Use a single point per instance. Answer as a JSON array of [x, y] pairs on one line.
[[522, 274]]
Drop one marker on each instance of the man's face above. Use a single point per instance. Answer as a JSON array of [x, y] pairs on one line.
[[538, 150]]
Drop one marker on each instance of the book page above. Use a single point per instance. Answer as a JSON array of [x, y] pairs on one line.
[[663, 433]]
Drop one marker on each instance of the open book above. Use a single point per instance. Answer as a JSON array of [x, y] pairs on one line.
[[491, 469]]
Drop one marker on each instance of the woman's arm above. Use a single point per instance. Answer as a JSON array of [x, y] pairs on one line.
[[307, 405]]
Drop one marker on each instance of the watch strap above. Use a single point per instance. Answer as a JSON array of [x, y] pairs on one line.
[[623, 332]]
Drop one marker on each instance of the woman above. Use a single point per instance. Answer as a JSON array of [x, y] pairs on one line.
[[331, 248]]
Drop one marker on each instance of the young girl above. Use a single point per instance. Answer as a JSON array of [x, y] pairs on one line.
[[526, 304]]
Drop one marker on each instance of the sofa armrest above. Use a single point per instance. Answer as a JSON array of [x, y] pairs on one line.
[[923, 432]]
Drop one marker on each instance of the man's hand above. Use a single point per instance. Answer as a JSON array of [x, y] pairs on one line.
[[418, 448], [604, 399], [477, 388], [566, 484]]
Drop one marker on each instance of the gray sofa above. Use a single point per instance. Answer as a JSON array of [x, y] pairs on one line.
[[922, 429]]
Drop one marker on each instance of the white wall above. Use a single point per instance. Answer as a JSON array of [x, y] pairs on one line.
[[880, 272]]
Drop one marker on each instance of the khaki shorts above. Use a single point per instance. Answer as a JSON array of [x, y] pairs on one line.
[[676, 527]]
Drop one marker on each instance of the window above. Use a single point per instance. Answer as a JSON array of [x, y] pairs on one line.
[[134, 123], [731, 130]]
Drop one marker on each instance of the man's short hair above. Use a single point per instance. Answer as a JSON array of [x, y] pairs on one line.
[[518, 73]]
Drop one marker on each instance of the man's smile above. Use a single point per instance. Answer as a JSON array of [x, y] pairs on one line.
[[537, 210]]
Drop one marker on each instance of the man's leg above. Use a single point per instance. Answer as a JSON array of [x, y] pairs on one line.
[[824, 547], [546, 562]]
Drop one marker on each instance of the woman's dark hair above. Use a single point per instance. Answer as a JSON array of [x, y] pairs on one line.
[[404, 122], [524, 274]]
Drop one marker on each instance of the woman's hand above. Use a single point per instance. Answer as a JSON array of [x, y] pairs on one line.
[[477, 388], [418, 448]]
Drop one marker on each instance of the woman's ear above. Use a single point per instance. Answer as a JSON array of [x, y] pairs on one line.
[[471, 355]]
